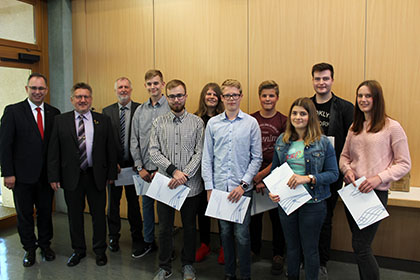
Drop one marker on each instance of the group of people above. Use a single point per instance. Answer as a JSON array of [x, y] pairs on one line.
[[219, 147]]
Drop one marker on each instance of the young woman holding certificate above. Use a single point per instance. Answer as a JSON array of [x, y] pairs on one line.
[[312, 159], [376, 147]]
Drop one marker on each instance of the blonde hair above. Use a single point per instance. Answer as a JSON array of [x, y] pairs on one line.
[[231, 83]]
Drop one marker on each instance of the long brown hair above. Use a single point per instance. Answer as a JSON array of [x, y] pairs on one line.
[[378, 109], [313, 130], [202, 107]]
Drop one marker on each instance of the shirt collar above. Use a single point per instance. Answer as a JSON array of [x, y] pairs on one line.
[[128, 105], [87, 116], [161, 101], [180, 118], [240, 115], [33, 106]]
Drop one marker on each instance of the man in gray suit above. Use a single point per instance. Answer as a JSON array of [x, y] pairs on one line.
[[121, 114]]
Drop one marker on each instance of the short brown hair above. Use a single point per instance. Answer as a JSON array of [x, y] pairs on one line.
[[37, 75], [81, 85], [173, 84], [269, 84], [322, 67], [232, 83], [153, 73]]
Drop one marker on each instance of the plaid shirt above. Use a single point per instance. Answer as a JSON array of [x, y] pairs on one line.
[[178, 142]]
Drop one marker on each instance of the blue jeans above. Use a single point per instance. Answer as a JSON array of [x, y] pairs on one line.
[[148, 207], [301, 230], [229, 230]]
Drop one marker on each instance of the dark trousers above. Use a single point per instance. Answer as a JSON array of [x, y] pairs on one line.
[[133, 213], [203, 220], [26, 196], [75, 201], [255, 230], [166, 222], [362, 241]]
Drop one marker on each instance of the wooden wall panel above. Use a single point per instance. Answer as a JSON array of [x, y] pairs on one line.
[[393, 58], [288, 37], [199, 41], [119, 42]]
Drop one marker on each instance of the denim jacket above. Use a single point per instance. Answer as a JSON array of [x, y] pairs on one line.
[[320, 161]]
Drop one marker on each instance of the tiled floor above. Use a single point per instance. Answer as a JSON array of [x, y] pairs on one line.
[[122, 266]]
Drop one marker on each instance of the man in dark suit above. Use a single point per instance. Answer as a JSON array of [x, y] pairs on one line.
[[24, 135], [121, 114], [82, 160]]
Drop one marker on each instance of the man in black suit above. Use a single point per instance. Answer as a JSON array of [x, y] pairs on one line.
[[82, 160], [24, 135], [121, 114]]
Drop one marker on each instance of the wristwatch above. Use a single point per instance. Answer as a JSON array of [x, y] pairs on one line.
[[244, 185], [139, 168]]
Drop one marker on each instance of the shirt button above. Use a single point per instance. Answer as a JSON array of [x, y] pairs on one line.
[[316, 199], [312, 188], [307, 160]]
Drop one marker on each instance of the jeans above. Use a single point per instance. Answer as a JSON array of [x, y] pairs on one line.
[[362, 241], [229, 230], [301, 230], [166, 223], [148, 207]]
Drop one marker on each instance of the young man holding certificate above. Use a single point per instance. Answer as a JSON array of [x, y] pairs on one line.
[[231, 158], [176, 143]]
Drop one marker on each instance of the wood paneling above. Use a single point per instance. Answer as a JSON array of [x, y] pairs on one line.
[[199, 41], [393, 58], [288, 37]]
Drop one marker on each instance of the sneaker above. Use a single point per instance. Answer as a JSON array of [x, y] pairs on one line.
[[189, 272], [277, 265], [147, 248], [162, 274], [202, 252], [221, 258], [323, 273]]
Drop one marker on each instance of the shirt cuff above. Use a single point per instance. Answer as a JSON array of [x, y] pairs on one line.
[[208, 186], [171, 169]]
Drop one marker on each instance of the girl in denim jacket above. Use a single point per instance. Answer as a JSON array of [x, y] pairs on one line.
[[312, 158]]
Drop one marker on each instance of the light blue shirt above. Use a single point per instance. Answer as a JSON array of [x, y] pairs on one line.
[[232, 152]]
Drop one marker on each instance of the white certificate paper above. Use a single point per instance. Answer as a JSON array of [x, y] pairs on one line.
[[290, 199], [160, 191], [140, 185], [220, 207], [366, 208], [125, 177], [261, 203]]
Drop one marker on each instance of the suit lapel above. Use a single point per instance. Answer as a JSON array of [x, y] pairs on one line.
[[71, 123], [30, 116]]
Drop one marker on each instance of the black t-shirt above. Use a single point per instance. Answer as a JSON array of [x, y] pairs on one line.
[[323, 111]]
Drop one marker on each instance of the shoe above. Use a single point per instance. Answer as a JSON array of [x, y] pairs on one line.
[[101, 259], [277, 265], [162, 274], [75, 259], [113, 245], [29, 258], [221, 258], [173, 256], [230, 277], [189, 272], [48, 254], [202, 252], [147, 248], [323, 273]]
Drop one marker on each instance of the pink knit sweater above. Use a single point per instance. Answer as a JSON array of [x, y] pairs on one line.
[[384, 153]]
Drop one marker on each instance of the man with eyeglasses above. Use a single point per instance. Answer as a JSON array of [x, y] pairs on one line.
[[335, 116], [141, 125], [24, 135], [232, 156], [82, 160], [121, 114], [176, 143]]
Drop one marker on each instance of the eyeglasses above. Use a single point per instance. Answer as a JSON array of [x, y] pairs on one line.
[[37, 88], [80, 97], [234, 96], [174, 96]]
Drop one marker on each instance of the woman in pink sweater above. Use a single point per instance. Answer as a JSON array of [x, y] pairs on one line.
[[376, 147]]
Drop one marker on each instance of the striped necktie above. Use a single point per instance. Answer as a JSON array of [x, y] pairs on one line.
[[81, 137], [122, 128]]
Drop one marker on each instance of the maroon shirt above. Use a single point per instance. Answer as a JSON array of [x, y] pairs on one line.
[[271, 128]]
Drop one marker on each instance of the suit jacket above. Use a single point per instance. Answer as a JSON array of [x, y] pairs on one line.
[[63, 152], [113, 111], [23, 153]]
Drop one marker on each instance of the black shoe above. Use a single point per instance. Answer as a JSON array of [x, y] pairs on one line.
[[113, 245], [173, 256], [75, 259], [48, 254], [101, 260], [230, 277], [29, 258], [146, 249]]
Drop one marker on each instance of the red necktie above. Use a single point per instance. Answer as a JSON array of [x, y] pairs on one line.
[[39, 122]]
